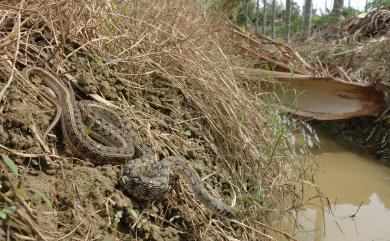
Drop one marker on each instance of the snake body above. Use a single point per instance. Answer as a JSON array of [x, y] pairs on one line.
[[140, 176]]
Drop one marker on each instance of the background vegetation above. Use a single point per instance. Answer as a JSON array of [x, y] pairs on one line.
[[249, 14]]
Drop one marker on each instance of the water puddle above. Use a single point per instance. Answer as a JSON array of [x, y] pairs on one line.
[[358, 188]]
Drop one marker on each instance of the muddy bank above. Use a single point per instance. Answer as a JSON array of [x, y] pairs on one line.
[[364, 62], [369, 134], [87, 197], [169, 76]]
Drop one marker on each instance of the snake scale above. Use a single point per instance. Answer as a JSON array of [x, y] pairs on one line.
[[141, 177]]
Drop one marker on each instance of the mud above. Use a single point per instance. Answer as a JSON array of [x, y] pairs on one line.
[[167, 66], [85, 199]]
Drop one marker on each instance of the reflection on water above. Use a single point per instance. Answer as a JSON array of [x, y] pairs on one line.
[[349, 179]]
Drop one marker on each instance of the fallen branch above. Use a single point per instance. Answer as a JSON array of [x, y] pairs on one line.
[[320, 98]]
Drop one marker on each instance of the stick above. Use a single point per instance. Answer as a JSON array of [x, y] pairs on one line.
[[11, 77]]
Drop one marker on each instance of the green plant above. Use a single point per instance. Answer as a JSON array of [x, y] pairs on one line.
[[88, 130], [6, 211], [11, 164], [254, 196], [140, 222], [320, 21], [350, 12], [43, 197], [296, 24], [110, 28], [118, 215], [88, 184], [96, 63], [376, 4]]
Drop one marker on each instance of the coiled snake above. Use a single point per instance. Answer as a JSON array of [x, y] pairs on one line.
[[140, 176]]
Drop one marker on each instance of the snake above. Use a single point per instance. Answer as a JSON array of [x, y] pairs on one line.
[[116, 143]]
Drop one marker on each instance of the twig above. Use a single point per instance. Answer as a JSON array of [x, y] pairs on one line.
[[88, 233], [277, 230], [70, 233], [26, 155], [23, 237], [15, 8], [354, 215], [39, 139], [11, 77], [23, 216], [16, 193], [32, 225], [255, 230], [8, 230]]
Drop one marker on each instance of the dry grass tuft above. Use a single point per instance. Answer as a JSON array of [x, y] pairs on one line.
[[152, 57]]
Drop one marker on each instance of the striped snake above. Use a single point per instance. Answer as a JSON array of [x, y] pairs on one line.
[[116, 143]]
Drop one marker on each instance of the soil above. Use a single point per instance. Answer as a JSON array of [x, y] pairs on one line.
[[167, 66], [74, 199]]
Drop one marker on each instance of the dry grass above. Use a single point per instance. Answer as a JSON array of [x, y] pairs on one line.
[[177, 44]]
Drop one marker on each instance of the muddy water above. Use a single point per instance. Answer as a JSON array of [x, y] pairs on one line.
[[350, 179]]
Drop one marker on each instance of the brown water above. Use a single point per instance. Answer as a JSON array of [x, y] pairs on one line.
[[349, 179]]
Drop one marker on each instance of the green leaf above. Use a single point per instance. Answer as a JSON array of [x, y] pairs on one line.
[[173, 218], [242, 118], [88, 130], [3, 215], [43, 197], [11, 164], [9, 210], [35, 162], [133, 213], [154, 227], [21, 192], [118, 215]]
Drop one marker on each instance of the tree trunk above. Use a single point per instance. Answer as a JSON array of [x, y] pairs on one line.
[[273, 19], [264, 16], [257, 15], [307, 19], [287, 21], [247, 13], [336, 19]]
